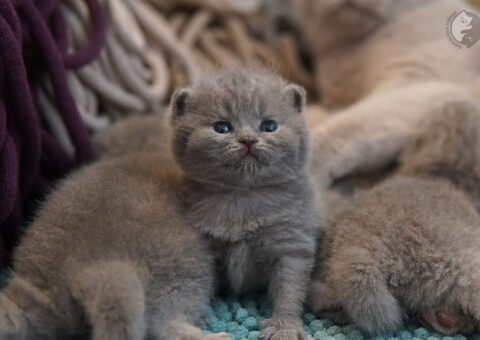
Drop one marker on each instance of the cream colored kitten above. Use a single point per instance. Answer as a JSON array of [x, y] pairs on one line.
[[381, 66]]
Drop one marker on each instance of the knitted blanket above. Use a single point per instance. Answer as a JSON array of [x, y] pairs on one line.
[[240, 318]]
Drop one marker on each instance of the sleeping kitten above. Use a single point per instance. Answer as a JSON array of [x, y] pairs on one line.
[[242, 141], [447, 146], [406, 247], [380, 66]]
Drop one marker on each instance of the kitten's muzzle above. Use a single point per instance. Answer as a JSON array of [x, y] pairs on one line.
[[248, 143]]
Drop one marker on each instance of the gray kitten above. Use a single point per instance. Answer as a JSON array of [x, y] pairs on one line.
[[406, 247], [242, 140], [112, 247], [109, 254]]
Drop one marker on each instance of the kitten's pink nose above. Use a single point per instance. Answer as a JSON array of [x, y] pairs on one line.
[[248, 142]]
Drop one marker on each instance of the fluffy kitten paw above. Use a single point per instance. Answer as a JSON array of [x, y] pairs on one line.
[[448, 322], [216, 336], [378, 313], [271, 333], [274, 330]]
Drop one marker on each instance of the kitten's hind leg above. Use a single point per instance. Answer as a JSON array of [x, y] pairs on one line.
[[25, 312], [113, 298], [372, 307], [362, 292], [176, 309]]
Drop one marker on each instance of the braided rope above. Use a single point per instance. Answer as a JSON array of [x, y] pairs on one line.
[[154, 46]]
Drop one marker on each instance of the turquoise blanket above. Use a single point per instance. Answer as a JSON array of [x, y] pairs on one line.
[[240, 318]]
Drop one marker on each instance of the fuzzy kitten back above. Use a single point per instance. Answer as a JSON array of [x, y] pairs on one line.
[[406, 247], [447, 146]]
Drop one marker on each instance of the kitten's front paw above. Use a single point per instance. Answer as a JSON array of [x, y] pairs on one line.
[[272, 333], [275, 330]]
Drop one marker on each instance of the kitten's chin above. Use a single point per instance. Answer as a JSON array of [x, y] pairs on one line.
[[249, 156], [246, 161]]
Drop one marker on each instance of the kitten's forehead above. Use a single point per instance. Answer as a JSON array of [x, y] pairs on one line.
[[239, 94]]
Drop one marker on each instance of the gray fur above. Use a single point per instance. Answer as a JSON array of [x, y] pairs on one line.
[[110, 255], [259, 213], [444, 149], [125, 248], [406, 247], [448, 146]]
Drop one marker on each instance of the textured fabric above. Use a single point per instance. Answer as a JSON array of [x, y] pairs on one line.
[[155, 46], [240, 318], [33, 49]]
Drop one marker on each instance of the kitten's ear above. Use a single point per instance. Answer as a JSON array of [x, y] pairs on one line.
[[297, 96], [179, 101]]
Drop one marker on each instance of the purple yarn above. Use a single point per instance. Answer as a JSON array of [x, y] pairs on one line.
[[91, 50], [33, 45]]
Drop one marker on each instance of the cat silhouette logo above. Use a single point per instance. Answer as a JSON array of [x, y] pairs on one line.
[[463, 28]]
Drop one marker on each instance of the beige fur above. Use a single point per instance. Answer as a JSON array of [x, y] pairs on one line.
[[371, 133], [448, 146], [381, 66]]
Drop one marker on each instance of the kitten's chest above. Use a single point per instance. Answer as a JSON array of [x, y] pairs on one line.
[[236, 217], [244, 266]]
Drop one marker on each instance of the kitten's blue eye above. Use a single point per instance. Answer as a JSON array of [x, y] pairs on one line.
[[268, 126], [222, 127]]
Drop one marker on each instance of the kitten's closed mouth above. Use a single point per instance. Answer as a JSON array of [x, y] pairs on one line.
[[249, 154]]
